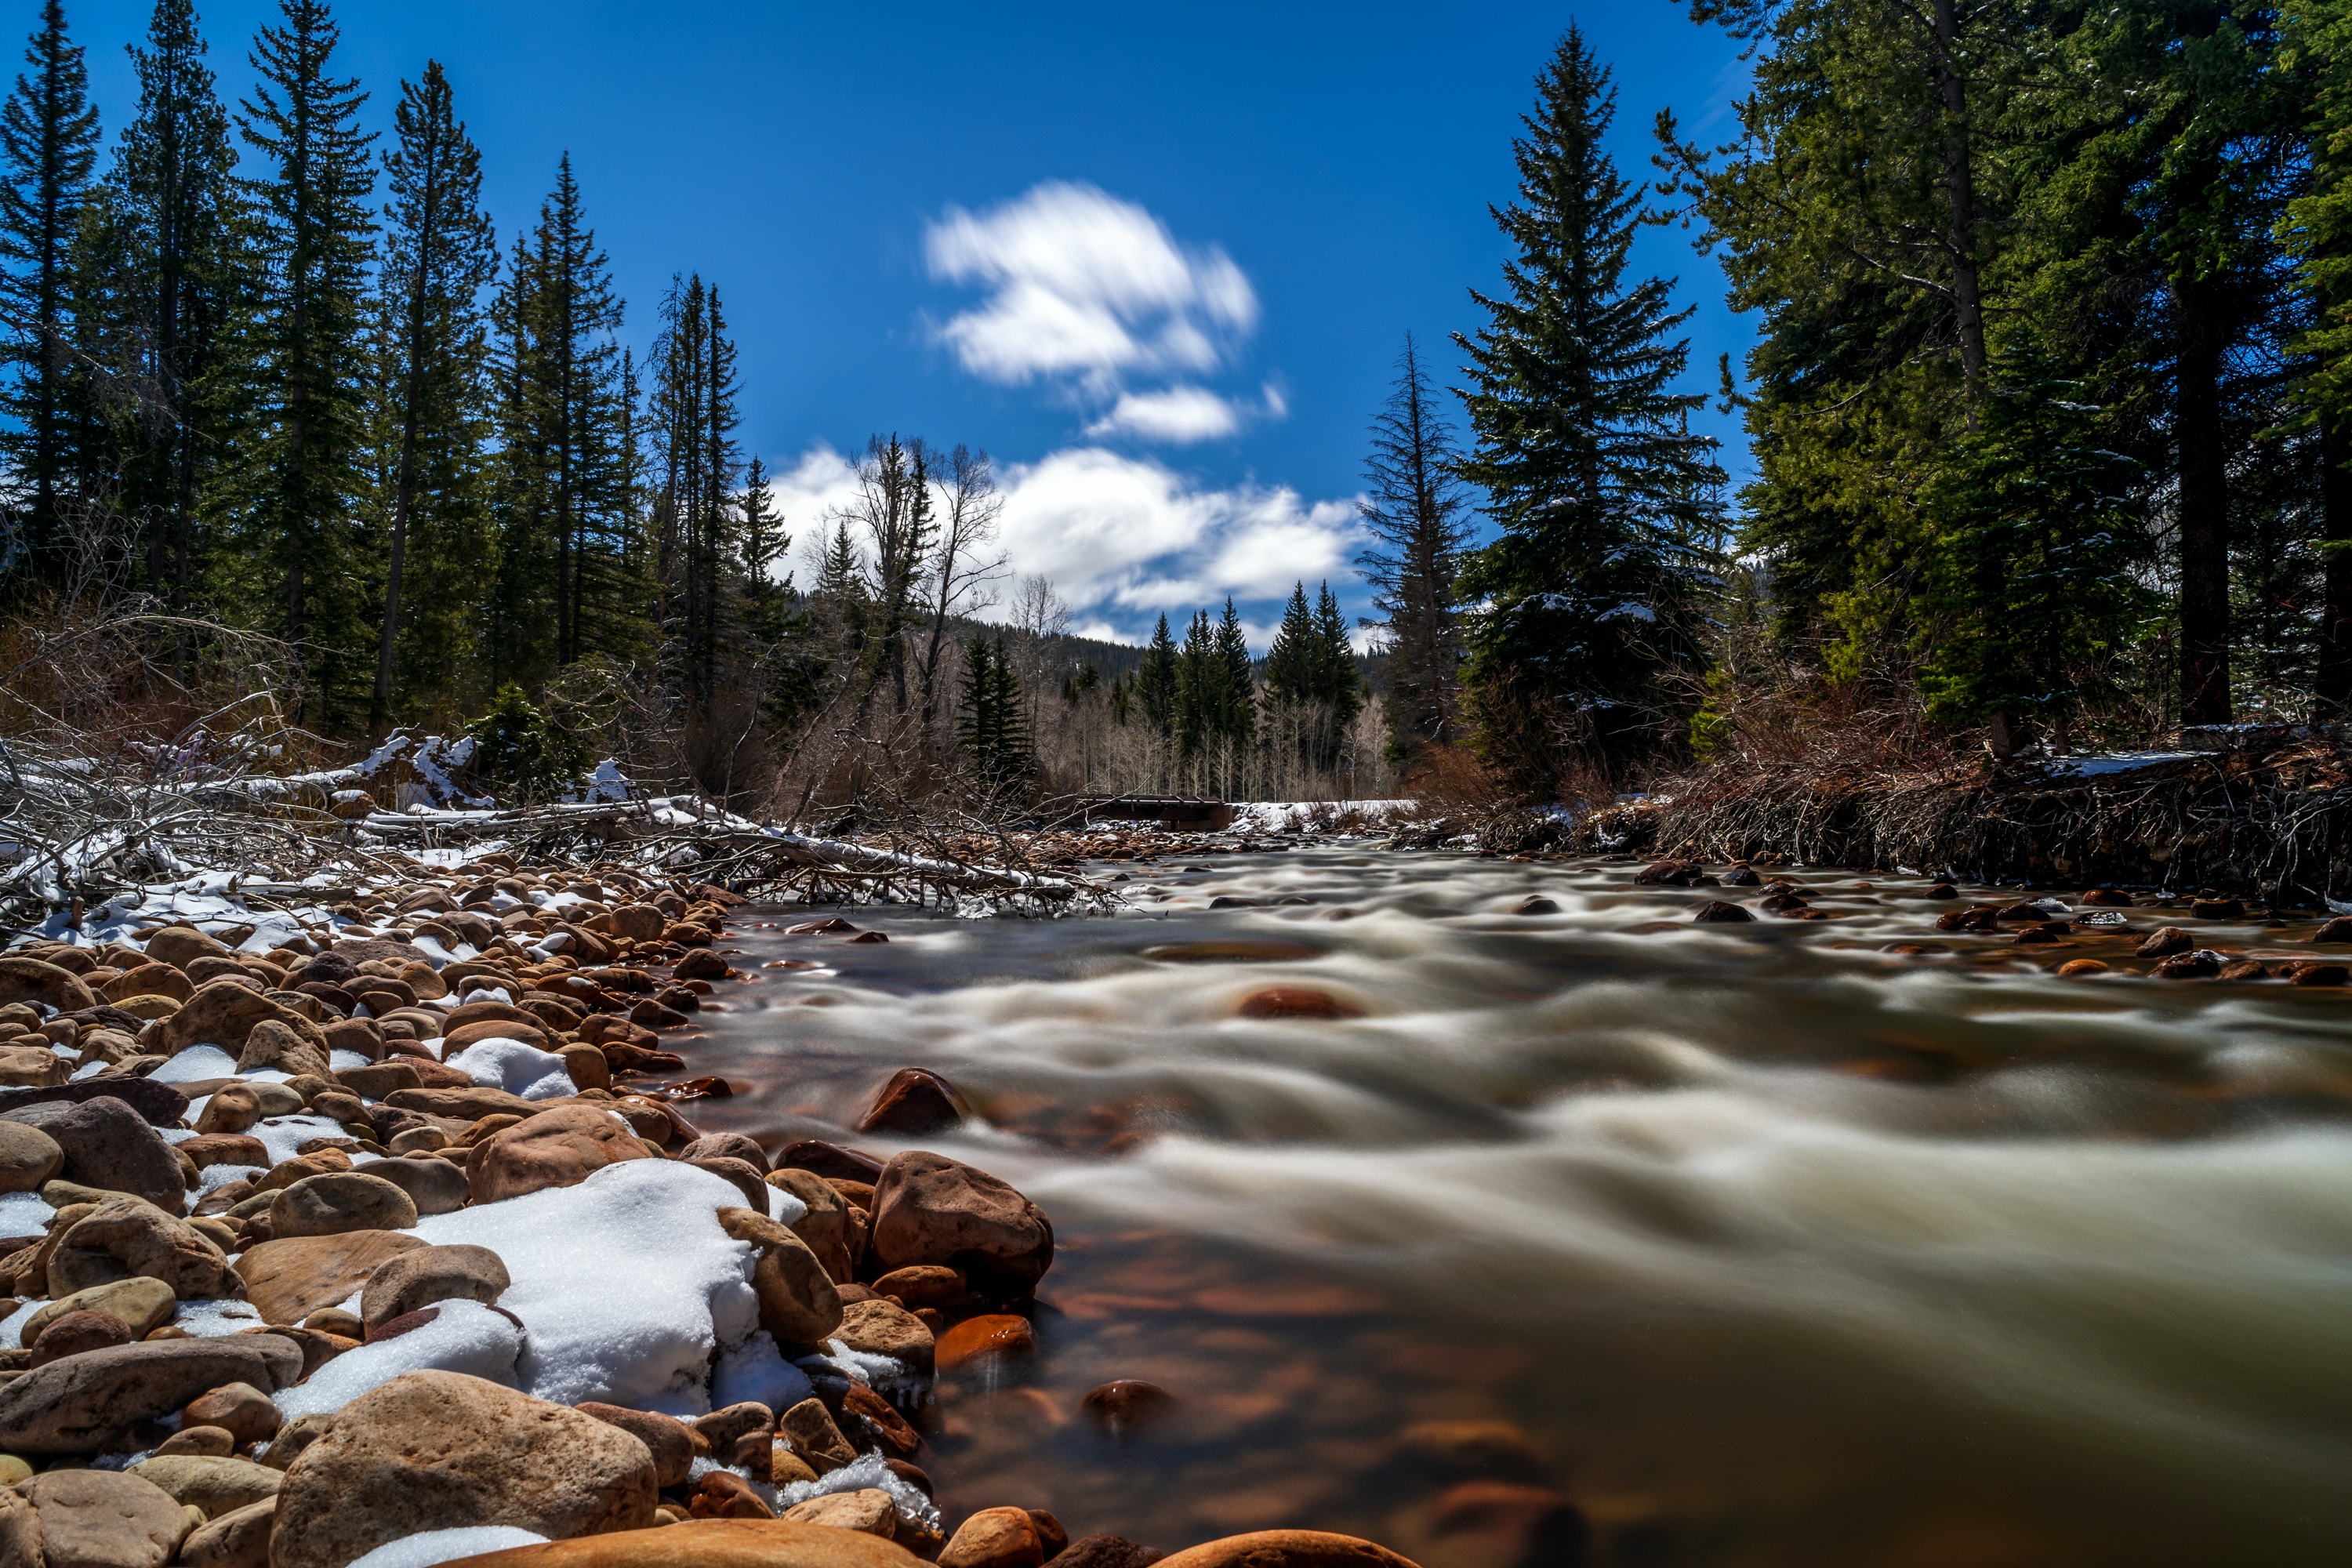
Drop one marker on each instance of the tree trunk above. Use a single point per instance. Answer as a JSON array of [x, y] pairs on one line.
[[2204, 511], [1961, 205]]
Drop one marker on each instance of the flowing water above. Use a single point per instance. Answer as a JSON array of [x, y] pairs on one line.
[[1780, 1248]]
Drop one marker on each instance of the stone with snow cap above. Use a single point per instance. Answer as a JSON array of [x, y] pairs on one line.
[[555, 1148], [713, 1543], [451, 1336], [438, 1450]]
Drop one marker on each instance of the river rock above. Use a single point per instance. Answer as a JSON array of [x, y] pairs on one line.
[[830, 1160], [722, 1494], [714, 1543], [209, 1149], [798, 1303], [30, 979], [533, 1034], [294, 1436], [77, 1404], [434, 1185], [207, 1442], [808, 1428], [241, 1410], [1127, 1404], [142, 1304], [32, 1067], [1716, 912], [994, 1538], [929, 1208], [727, 1146], [104, 1519], [288, 1279], [379, 1078], [559, 1147], [273, 1044], [668, 1439], [883, 1327], [1115, 1550], [339, 1201], [924, 1285], [722, 1431], [1295, 1002], [2338, 930], [28, 1157], [109, 1145], [1287, 1549], [825, 1226], [232, 1108], [439, 1451], [223, 1014], [424, 1275], [991, 1334], [20, 1523], [744, 1176], [179, 946], [124, 1238], [869, 1511], [2196, 965], [300, 1168], [217, 1486], [78, 1333], [159, 1103], [2164, 943], [238, 1539], [466, 1102], [148, 980]]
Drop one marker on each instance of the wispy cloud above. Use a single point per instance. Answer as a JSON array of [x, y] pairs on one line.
[[1094, 295]]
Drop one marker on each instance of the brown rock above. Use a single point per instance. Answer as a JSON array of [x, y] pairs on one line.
[[744, 1177], [238, 1539], [223, 1014], [273, 1044], [209, 1149], [825, 1226], [32, 1067], [2164, 943], [362, 1035], [929, 1208], [433, 1185], [77, 1404], [425, 1275], [207, 1442], [530, 1032], [727, 1146], [294, 1436], [73, 1334], [229, 1110], [883, 1327], [338, 1202], [2074, 966], [179, 946], [586, 1065], [469, 1103], [148, 980], [289, 1278], [716, 1543], [992, 1334], [722, 1431], [1508, 1522], [2188, 966], [798, 1304], [668, 1439], [300, 1168], [869, 1511], [723, 1495], [2334, 931], [914, 1102], [109, 1145], [20, 1525], [104, 1519], [126, 1238], [1106, 1552], [557, 1148], [142, 1304], [380, 1079], [996, 1538], [215, 1485], [30, 979], [242, 1409], [1287, 1549], [28, 1157], [923, 1285], [808, 1428], [438, 1450], [1127, 1403]]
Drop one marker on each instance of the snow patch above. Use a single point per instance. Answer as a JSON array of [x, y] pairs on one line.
[[464, 1336], [427, 1548], [515, 1067]]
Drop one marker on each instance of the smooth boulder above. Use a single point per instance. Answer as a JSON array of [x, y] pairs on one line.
[[439, 1451], [274, 1044], [558, 1148], [223, 1013], [929, 1208], [798, 1302], [31, 980], [338, 1201], [434, 1185], [238, 1539], [1287, 1549], [80, 1403], [104, 1519], [712, 1543], [217, 1485], [425, 1275], [289, 1278], [126, 1238], [144, 1305], [28, 1157], [109, 1145]]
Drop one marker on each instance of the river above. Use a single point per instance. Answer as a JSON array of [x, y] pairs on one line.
[[1769, 1245]]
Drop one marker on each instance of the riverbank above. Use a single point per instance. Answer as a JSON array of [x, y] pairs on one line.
[[369, 1225], [2269, 819]]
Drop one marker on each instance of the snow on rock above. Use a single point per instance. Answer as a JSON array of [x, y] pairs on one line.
[[2100, 763], [513, 1066], [1317, 815], [207, 1319], [427, 1548], [464, 1336], [756, 1372], [196, 1065], [12, 1327], [624, 1283], [23, 1214], [867, 1470]]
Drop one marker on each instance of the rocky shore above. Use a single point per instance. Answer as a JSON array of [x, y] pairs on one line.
[[373, 1234]]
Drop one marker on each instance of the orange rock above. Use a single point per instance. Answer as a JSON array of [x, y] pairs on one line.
[[994, 1333], [2082, 966], [1295, 1002], [1283, 1549], [996, 1538]]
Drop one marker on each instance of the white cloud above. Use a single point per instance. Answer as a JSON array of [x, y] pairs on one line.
[[1180, 415], [1084, 284], [1119, 533]]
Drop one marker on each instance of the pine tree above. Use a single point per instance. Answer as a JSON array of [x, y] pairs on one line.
[[48, 143], [693, 434], [1156, 683], [1292, 671], [1235, 712], [171, 182], [1411, 515], [1597, 488], [303, 462], [573, 577], [440, 252], [991, 723], [1200, 701], [1338, 685]]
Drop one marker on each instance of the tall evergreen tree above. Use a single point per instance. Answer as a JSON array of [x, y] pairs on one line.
[[1293, 661], [1413, 516], [1234, 712], [2317, 231], [694, 432], [992, 723], [48, 143], [1155, 680], [1338, 685], [1200, 702], [171, 182], [573, 577], [440, 252], [302, 463], [1600, 492]]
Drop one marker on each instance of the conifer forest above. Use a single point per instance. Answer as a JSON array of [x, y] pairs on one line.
[[2047, 413]]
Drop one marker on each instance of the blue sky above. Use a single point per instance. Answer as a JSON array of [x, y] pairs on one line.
[[1156, 261]]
